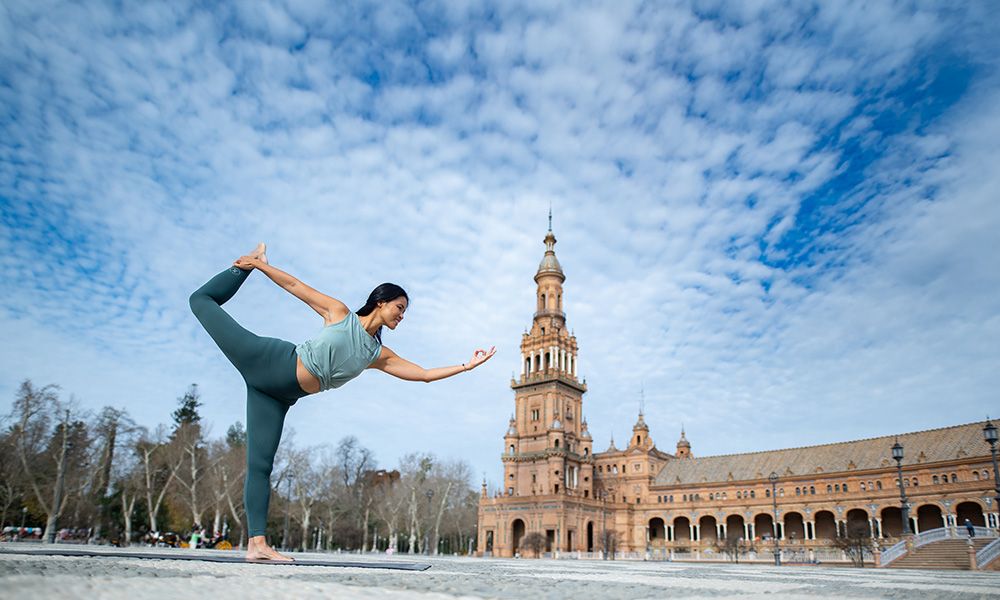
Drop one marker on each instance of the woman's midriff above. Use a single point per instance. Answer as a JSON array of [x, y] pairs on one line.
[[307, 381]]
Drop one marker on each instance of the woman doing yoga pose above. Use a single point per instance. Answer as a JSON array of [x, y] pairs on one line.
[[278, 373]]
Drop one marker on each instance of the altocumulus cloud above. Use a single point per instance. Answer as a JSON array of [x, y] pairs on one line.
[[777, 221]]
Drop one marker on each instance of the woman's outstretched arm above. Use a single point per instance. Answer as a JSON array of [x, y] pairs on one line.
[[331, 309], [397, 366]]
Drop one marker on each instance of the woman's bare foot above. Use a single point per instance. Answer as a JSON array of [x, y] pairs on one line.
[[260, 252], [257, 549]]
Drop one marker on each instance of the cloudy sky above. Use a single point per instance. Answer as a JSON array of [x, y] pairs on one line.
[[776, 221]]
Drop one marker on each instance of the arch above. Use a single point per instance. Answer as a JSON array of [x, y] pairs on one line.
[[892, 521], [763, 525], [657, 530], [795, 526], [590, 536], [682, 529], [735, 527], [929, 517], [708, 529], [972, 511], [826, 525], [857, 520], [517, 532]]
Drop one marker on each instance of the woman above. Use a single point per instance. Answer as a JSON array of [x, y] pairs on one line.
[[278, 373]]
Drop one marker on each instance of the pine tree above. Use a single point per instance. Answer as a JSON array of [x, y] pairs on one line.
[[187, 414]]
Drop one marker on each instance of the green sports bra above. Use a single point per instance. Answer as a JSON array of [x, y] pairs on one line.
[[339, 353]]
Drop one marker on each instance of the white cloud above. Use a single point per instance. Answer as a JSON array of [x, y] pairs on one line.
[[687, 152]]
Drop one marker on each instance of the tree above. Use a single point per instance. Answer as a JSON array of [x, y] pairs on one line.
[[188, 447], [187, 413], [534, 542], [44, 459], [857, 543], [158, 470], [733, 546], [109, 425]]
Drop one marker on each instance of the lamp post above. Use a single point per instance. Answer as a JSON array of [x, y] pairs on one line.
[[897, 455], [773, 478], [990, 435], [24, 512], [427, 535]]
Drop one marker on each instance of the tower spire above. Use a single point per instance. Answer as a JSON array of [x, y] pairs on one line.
[[550, 216]]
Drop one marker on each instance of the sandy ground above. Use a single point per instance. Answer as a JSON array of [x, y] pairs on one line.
[[44, 577]]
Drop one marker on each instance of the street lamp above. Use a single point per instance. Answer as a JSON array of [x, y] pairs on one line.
[[990, 435], [24, 512], [773, 478], [427, 534], [897, 455]]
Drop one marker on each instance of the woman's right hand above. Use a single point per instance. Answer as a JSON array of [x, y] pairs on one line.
[[247, 263]]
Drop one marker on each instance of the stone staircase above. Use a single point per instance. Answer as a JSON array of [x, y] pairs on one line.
[[943, 554]]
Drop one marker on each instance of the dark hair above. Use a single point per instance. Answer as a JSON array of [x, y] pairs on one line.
[[386, 292]]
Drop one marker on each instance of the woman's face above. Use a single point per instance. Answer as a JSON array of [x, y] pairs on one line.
[[392, 311]]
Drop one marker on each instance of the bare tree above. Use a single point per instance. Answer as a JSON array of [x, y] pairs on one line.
[[159, 469], [109, 425], [534, 542], [44, 460], [857, 544]]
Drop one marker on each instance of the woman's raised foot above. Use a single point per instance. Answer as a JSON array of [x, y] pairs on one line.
[[260, 252]]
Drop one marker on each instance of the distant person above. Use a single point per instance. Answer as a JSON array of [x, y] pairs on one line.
[[277, 373], [970, 528]]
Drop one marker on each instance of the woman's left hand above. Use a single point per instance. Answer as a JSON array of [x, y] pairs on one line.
[[479, 357]]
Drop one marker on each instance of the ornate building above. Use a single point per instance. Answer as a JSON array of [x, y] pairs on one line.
[[656, 502]]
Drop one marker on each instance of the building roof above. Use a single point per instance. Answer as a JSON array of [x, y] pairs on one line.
[[933, 445]]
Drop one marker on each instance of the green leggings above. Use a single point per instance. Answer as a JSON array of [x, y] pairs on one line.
[[268, 368]]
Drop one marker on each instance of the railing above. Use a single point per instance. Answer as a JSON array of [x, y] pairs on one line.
[[988, 554], [934, 535], [893, 552]]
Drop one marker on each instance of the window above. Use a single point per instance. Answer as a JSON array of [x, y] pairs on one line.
[[557, 443], [915, 482], [954, 478], [863, 486], [510, 491], [781, 492], [557, 487], [614, 469], [586, 451], [671, 498], [638, 440], [935, 480], [586, 493], [535, 414], [975, 475], [752, 494], [878, 484], [767, 493], [533, 478], [659, 499], [812, 490], [600, 468], [798, 492], [638, 467], [829, 489], [836, 487], [844, 487], [685, 497], [724, 496], [711, 497], [511, 476], [512, 448]]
